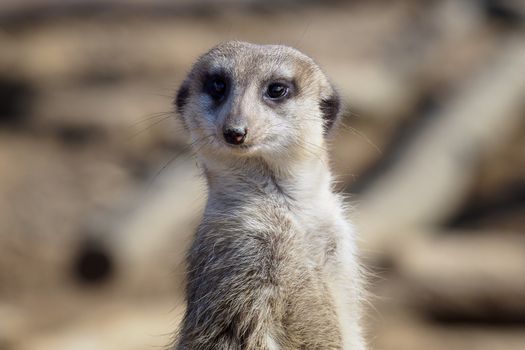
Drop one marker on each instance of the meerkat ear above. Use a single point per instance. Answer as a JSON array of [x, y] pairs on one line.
[[330, 107], [182, 97]]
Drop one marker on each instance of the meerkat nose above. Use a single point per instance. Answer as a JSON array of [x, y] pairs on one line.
[[234, 135]]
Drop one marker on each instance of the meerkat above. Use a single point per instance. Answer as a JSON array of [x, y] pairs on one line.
[[273, 263]]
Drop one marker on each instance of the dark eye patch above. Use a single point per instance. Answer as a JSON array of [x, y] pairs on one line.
[[330, 108], [217, 86]]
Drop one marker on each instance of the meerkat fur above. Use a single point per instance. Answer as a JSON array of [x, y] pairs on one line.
[[273, 264]]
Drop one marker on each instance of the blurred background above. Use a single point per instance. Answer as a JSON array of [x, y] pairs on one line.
[[99, 195]]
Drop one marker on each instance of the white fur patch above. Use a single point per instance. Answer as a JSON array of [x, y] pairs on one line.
[[271, 343]]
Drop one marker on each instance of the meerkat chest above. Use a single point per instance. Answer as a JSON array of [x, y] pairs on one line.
[[319, 213], [319, 219]]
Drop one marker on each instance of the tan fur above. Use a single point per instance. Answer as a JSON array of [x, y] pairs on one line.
[[273, 264]]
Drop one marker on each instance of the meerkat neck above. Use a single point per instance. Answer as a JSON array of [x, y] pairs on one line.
[[297, 179]]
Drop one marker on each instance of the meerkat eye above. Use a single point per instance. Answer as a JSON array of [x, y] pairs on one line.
[[277, 91], [216, 86]]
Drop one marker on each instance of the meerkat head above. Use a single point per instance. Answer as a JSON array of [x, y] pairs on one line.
[[247, 100]]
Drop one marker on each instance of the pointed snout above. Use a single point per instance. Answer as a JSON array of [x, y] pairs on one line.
[[234, 135]]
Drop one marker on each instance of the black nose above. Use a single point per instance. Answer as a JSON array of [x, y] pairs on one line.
[[234, 136]]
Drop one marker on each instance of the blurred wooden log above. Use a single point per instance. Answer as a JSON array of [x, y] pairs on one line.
[[148, 243], [405, 333], [465, 277], [496, 198], [429, 181], [20, 10]]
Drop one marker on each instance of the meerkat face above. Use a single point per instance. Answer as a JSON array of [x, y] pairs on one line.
[[243, 100]]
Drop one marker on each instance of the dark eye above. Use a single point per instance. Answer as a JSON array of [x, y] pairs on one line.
[[277, 91], [216, 87]]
